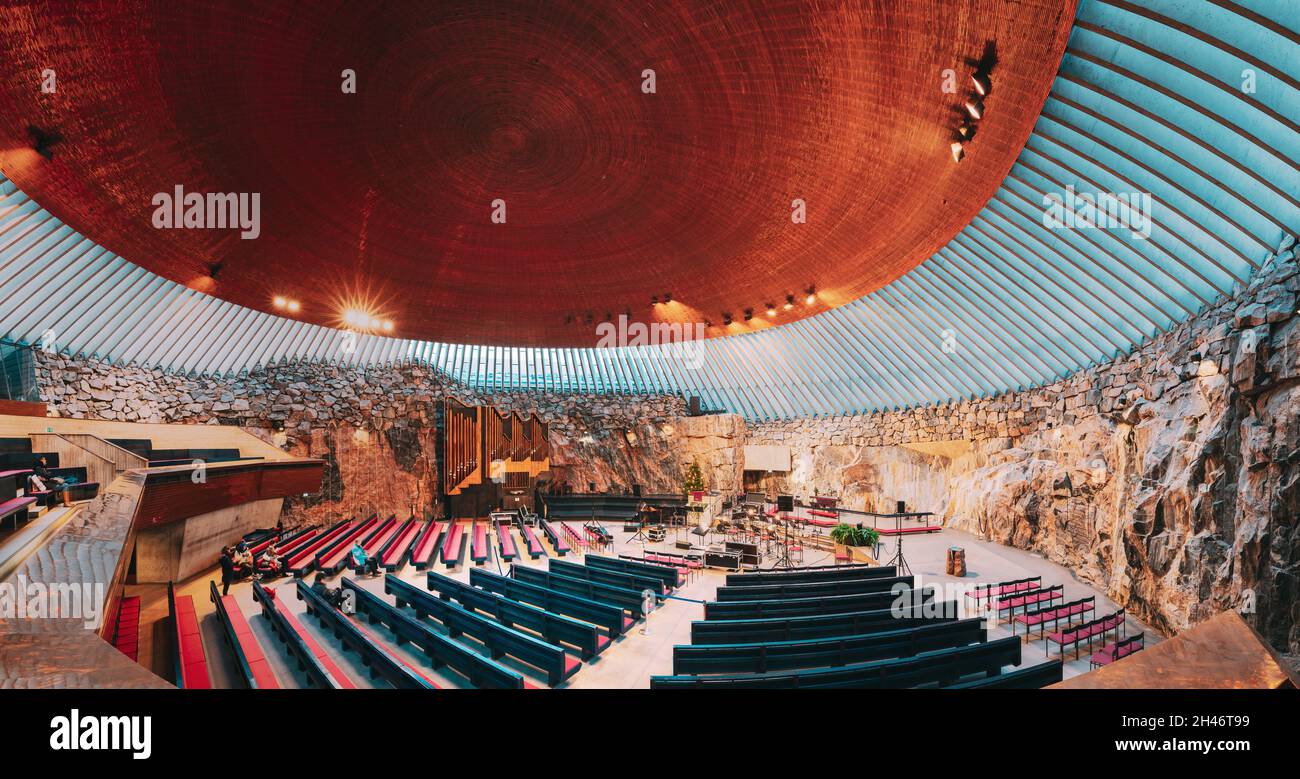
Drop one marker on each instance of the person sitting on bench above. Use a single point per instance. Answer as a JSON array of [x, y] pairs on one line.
[[243, 559], [363, 563], [271, 561]]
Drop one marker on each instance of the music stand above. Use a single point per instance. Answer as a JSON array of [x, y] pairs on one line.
[[783, 559], [898, 561]]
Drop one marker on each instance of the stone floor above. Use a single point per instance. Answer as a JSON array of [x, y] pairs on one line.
[[632, 660]]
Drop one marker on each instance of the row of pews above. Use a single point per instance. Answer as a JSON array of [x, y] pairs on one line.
[[843, 627]]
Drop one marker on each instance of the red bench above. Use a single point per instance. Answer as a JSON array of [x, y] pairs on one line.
[[317, 652], [531, 542], [907, 531], [335, 555], [303, 556], [394, 554], [1023, 600], [126, 627], [380, 535], [424, 547], [253, 665], [479, 549], [16, 508], [1054, 614], [557, 540], [1087, 631], [453, 545], [295, 543], [506, 542], [981, 592], [1117, 651], [191, 661], [575, 538]]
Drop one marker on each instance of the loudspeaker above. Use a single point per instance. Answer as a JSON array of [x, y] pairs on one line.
[[785, 503], [591, 486], [636, 490], [901, 508], [693, 404]]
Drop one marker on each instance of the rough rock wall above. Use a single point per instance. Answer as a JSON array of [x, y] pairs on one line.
[[376, 428], [1170, 476]]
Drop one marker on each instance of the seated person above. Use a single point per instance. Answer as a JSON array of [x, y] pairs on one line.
[[363, 563], [42, 471], [271, 562], [243, 560]]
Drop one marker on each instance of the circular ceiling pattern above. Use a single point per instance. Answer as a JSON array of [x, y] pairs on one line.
[[613, 194]]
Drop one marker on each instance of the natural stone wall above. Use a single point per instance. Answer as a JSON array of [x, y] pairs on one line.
[[1169, 477], [376, 427]]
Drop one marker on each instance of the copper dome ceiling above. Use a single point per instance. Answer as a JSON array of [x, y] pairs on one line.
[[613, 196]]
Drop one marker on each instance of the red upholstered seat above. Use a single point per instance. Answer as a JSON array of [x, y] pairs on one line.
[[601, 642], [571, 665], [821, 513]]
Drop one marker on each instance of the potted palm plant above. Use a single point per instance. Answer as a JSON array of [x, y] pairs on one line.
[[855, 535]]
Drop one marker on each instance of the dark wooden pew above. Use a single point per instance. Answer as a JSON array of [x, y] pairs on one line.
[[629, 600], [830, 604], [610, 617], [822, 652], [500, 640], [378, 661], [627, 581], [803, 575], [941, 668], [311, 657], [254, 668], [818, 625], [588, 639], [670, 576], [1032, 678], [812, 589], [441, 650]]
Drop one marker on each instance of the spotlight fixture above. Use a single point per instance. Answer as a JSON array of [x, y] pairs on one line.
[[771, 309], [975, 107], [789, 302], [958, 151], [812, 295], [43, 140], [966, 131], [726, 319], [654, 301], [293, 306], [749, 314], [388, 325], [983, 84], [668, 297], [280, 302]]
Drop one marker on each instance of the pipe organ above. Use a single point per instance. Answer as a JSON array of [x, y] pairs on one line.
[[481, 445]]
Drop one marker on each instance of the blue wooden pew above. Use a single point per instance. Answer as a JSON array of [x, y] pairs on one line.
[[939, 668], [623, 598], [610, 617], [812, 589], [441, 650], [377, 660], [588, 639], [831, 604], [499, 639], [628, 581], [822, 652], [724, 631]]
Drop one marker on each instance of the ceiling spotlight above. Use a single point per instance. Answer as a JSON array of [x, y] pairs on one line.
[[654, 301], [668, 297], [771, 309], [812, 295], [293, 306], [280, 302], [388, 325], [966, 131], [983, 84], [726, 319], [43, 140], [789, 302], [749, 314], [958, 151], [975, 108]]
